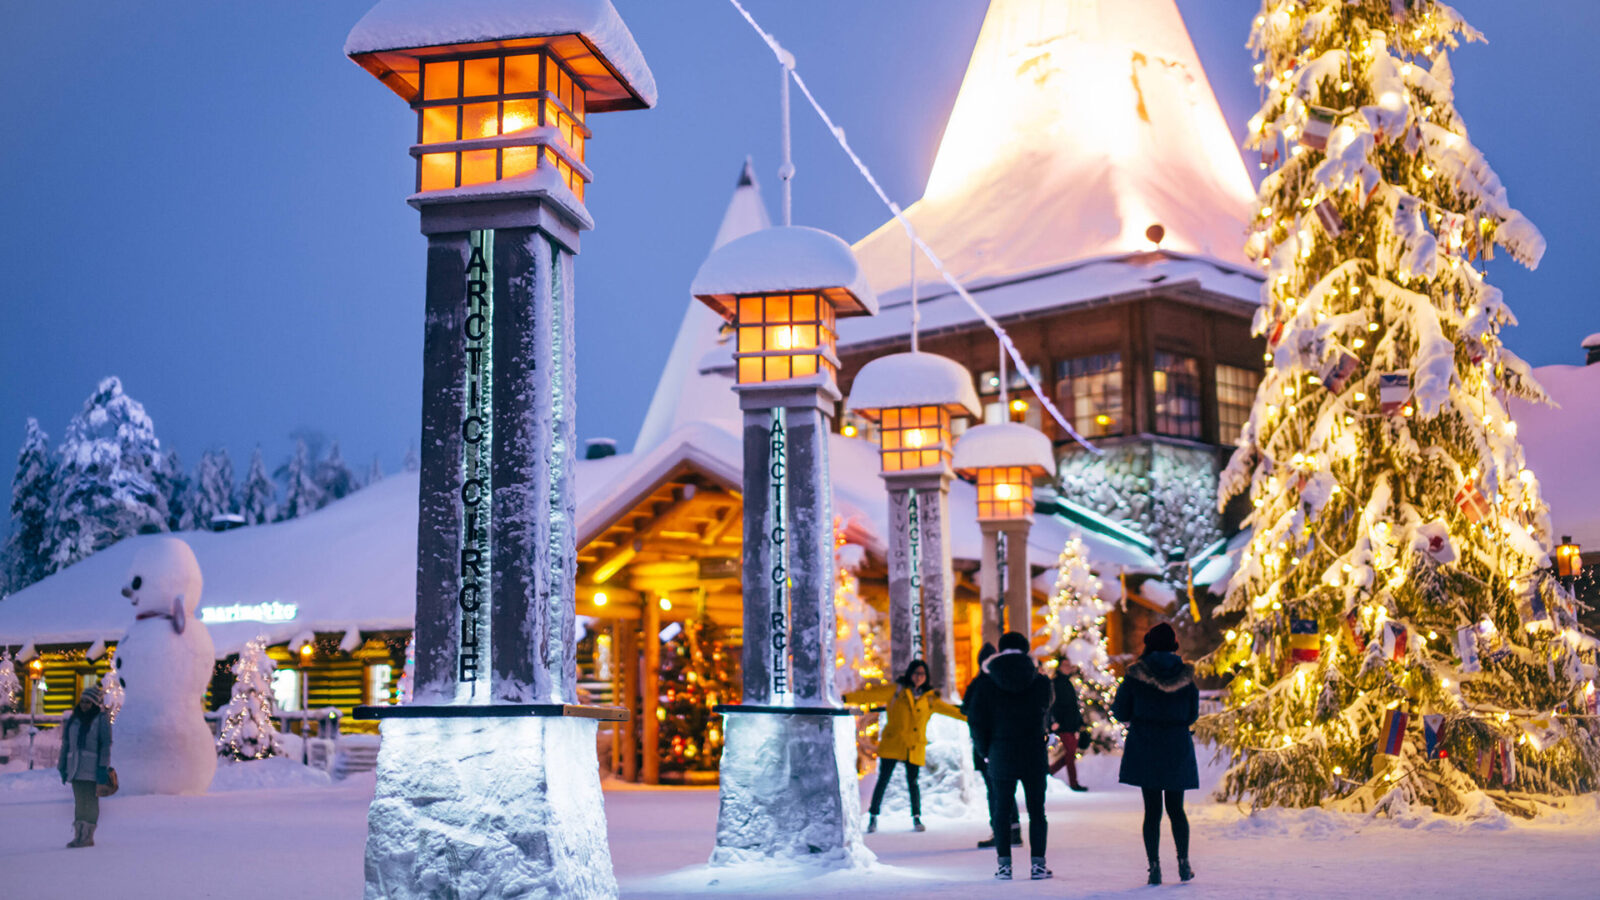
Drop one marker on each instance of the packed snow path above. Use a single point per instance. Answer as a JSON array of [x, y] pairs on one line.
[[294, 837]]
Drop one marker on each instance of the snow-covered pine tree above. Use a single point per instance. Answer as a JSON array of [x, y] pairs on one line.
[[300, 493], [212, 492], [334, 478], [27, 555], [411, 462], [107, 479], [1401, 638], [1074, 628], [374, 471], [10, 684], [858, 654], [247, 731], [258, 495], [175, 486]]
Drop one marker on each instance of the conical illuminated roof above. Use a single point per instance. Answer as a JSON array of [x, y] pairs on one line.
[[683, 393], [1079, 124]]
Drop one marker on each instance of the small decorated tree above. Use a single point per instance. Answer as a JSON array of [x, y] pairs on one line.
[[858, 649], [1074, 628], [10, 684], [112, 692], [247, 729], [698, 671]]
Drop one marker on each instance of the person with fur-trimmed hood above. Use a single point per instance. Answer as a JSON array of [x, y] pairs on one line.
[[1158, 700], [984, 652], [85, 762], [1009, 720]]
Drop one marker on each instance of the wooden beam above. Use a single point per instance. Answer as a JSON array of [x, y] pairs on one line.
[[651, 749]]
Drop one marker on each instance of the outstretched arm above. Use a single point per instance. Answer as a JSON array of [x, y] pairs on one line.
[[868, 696], [945, 709]]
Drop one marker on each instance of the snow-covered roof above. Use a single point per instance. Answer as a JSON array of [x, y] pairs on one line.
[[1004, 444], [1559, 444], [787, 258], [684, 394], [1592, 340], [604, 55], [1078, 125], [913, 379]]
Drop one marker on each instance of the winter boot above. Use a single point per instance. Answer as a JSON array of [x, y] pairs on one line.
[[1016, 834], [1079, 788], [1155, 873], [872, 824], [1040, 871], [916, 824], [77, 834], [1184, 872], [1003, 871], [987, 843], [88, 834]]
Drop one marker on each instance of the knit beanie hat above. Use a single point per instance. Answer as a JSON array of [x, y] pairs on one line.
[[93, 694], [1161, 637], [1014, 640]]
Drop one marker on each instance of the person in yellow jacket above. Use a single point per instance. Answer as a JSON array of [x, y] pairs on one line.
[[912, 702]]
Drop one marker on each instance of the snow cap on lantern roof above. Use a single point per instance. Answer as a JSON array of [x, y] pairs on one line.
[[1003, 445], [393, 37], [787, 259], [913, 379], [1078, 125]]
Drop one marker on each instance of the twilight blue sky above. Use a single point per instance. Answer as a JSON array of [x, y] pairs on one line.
[[207, 198]]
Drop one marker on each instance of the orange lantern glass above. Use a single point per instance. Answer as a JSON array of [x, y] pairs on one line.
[[1569, 558], [783, 336], [1004, 459], [912, 397], [1005, 492], [914, 437]]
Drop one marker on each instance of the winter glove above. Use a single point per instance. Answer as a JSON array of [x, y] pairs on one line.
[[102, 775], [63, 775]]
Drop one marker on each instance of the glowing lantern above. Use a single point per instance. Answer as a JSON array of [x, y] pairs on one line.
[[782, 289], [1004, 459], [494, 100], [913, 396], [1569, 560]]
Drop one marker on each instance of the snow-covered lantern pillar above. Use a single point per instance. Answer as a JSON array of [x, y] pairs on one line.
[[503, 94], [912, 397], [787, 775], [1004, 459]]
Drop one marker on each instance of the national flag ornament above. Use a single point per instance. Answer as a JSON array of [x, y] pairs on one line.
[[1471, 503], [1319, 124], [1352, 631], [1393, 735], [1328, 215], [1432, 728], [1336, 374], [1591, 699], [1467, 649], [1269, 153], [1395, 636], [1394, 389], [1305, 644], [1485, 764]]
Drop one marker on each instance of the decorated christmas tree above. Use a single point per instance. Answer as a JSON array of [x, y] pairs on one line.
[[112, 693], [10, 684], [1074, 629], [698, 671], [247, 730], [858, 647], [1402, 639]]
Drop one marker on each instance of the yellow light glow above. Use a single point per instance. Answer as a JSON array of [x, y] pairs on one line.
[[783, 338], [915, 438], [1358, 343], [665, 604], [1004, 491], [306, 650], [1019, 405], [849, 431], [1338, 770], [515, 121], [600, 598], [1444, 682], [1360, 397]]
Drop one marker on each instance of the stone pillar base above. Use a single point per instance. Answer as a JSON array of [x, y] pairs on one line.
[[789, 791], [488, 807]]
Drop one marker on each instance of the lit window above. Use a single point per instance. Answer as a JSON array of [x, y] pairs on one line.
[[286, 689], [914, 437], [1027, 411], [1236, 394], [379, 689], [783, 336], [490, 97], [1089, 390], [1175, 382]]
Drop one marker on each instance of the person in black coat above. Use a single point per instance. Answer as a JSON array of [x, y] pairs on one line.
[[1066, 720], [984, 652], [1010, 711], [1158, 701]]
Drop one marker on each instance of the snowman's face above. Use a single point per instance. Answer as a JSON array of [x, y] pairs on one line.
[[163, 570]]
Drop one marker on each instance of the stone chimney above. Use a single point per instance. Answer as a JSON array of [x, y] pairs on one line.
[[1591, 349]]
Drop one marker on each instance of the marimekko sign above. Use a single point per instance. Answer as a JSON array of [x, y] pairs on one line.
[[477, 437]]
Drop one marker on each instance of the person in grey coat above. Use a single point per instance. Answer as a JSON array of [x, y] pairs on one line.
[[1158, 700], [85, 762]]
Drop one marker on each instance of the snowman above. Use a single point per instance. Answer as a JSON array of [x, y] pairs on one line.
[[163, 745]]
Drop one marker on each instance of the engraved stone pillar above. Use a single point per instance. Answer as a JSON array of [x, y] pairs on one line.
[[989, 586], [921, 578], [1019, 587]]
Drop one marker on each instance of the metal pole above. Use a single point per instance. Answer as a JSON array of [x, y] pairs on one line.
[[786, 167], [916, 314]]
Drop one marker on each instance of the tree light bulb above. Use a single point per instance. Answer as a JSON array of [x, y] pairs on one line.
[[1360, 397]]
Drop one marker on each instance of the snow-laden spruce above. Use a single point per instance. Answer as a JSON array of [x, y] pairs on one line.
[[1402, 640], [1074, 627], [27, 553], [211, 491], [258, 495], [247, 731]]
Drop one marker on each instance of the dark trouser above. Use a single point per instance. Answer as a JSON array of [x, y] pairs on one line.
[[1152, 822], [1010, 802], [1007, 767], [885, 770], [1069, 743], [85, 802]]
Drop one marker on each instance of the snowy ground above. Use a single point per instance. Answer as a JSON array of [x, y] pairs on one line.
[[276, 830]]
